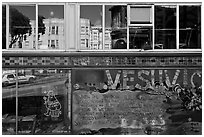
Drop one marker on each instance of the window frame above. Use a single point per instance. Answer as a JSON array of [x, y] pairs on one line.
[[150, 25], [201, 18], [35, 4], [141, 24], [64, 24], [8, 26], [103, 4]]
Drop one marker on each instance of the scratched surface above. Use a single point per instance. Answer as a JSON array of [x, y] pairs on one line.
[[115, 109], [110, 101]]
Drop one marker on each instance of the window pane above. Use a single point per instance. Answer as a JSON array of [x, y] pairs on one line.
[[42, 101], [140, 38], [22, 27], [116, 25], [51, 26], [189, 27], [165, 27], [3, 26], [140, 15], [91, 27], [8, 102]]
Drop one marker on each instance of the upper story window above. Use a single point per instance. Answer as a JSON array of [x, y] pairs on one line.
[[140, 14], [3, 26], [102, 26], [140, 27], [165, 27], [115, 27], [53, 29], [91, 20], [190, 27], [52, 26], [21, 22], [22, 32]]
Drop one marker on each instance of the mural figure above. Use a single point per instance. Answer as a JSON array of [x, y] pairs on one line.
[[52, 105]]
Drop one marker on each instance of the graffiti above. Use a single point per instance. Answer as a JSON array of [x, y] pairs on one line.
[[52, 105], [157, 81], [198, 73], [110, 80], [148, 78], [115, 109]]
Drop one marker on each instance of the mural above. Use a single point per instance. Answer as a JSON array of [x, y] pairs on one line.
[[135, 101], [137, 79]]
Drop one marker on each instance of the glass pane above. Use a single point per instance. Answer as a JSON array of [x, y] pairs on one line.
[[165, 27], [22, 27], [8, 102], [42, 101], [91, 27], [116, 25], [190, 27], [140, 38], [140, 15], [51, 27], [3, 26]]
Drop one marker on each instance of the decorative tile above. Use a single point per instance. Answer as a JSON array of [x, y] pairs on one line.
[[129, 61]]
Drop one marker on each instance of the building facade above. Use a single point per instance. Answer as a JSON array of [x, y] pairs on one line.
[[102, 68]]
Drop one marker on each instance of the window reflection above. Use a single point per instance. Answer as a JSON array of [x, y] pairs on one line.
[[165, 27], [8, 102], [51, 27], [118, 26], [22, 27], [140, 38], [22, 23], [3, 26], [108, 28], [91, 27], [42, 101], [189, 27]]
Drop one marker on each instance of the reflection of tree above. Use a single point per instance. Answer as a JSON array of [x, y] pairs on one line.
[[41, 25], [20, 25]]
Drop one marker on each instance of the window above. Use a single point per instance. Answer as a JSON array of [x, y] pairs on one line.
[[3, 26], [153, 26], [189, 27], [48, 43], [91, 19], [165, 27], [56, 30], [116, 26], [53, 29], [53, 44], [140, 38], [140, 27], [20, 74], [52, 24], [34, 46], [41, 102], [10, 76], [57, 43], [140, 15], [22, 22]]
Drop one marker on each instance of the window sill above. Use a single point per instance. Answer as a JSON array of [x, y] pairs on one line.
[[120, 52]]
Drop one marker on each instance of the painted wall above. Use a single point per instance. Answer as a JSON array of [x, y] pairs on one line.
[[126, 99], [137, 78]]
